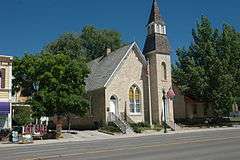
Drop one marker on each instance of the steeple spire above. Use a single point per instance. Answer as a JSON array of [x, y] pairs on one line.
[[156, 41], [155, 14]]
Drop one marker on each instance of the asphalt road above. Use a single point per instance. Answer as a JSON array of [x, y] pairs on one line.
[[208, 145]]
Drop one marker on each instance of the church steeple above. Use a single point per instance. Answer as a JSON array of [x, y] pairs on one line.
[[157, 35], [155, 14]]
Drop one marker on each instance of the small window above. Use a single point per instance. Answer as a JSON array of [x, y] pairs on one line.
[[164, 71], [163, 30], [158, 28], [194, 109], [205, 111], [2, 77]]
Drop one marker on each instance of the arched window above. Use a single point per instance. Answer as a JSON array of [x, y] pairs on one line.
[[164, 71], [131, 99], [135, 99], [159, 29]]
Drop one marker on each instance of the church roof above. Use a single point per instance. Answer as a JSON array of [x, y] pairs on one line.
[[157, 43], [155, 14], [104, 67]]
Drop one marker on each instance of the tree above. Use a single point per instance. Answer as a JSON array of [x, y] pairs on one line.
[[69, 43], [96, 41], [24, 72], [90, 43], [207, 71], [56, 83], [54, 78]]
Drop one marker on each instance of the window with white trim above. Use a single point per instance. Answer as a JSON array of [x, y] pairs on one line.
[[135, 99]]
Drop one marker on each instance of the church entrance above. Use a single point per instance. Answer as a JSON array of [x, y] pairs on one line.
[[113, 105]]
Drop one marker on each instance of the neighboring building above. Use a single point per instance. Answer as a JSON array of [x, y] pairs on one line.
[[128, 84], [187, 107], [5, 91]]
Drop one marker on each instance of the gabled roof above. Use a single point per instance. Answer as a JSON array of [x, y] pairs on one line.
[[155, 14], [103, 68]]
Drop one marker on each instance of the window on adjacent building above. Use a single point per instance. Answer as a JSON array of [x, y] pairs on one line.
[[205, 111], [164, 70], [135, 99], [195, 109], [2, 77]]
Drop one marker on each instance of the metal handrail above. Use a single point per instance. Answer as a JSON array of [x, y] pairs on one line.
[[115, 119], [126, 118]]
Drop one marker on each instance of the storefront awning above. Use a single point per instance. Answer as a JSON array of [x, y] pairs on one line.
[[4, 108]]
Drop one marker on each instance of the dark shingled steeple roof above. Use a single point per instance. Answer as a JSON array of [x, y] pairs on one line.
[[156, 42], [155, 14]]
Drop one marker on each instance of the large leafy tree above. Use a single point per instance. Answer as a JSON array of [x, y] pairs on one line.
[[55, 83], [207, 69], [54, 79], [91, 43]]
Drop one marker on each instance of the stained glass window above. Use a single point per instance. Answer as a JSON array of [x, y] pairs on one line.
[[135, 99]]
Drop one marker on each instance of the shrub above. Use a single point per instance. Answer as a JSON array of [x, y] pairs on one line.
[[4, 133], [144, 125], [22, 115], [138, 127], [203, 121], [110, 127]]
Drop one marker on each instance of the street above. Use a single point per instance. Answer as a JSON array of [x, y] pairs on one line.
[[207, 145]]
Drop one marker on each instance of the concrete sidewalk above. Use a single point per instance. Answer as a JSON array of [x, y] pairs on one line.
[[95, 135]]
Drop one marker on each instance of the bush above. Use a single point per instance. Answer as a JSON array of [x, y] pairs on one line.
[[110, 127], [22, 115], [203, 121], [144, 125], [4, 133], [139, 127], [50, 135]]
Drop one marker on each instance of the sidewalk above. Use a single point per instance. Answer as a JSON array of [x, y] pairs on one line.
[[95, 135]]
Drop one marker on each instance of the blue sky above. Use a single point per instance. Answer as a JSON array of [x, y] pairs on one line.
[[28, 25]]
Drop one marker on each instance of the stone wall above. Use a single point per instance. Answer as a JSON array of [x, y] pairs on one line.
[[130, 73], [158, 83]]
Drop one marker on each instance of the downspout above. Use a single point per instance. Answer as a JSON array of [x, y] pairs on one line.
[[149, 94]]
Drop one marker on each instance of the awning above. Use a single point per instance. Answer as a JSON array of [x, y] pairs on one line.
[[4, 108]]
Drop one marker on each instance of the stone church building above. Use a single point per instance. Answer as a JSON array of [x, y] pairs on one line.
[[134, 86]]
